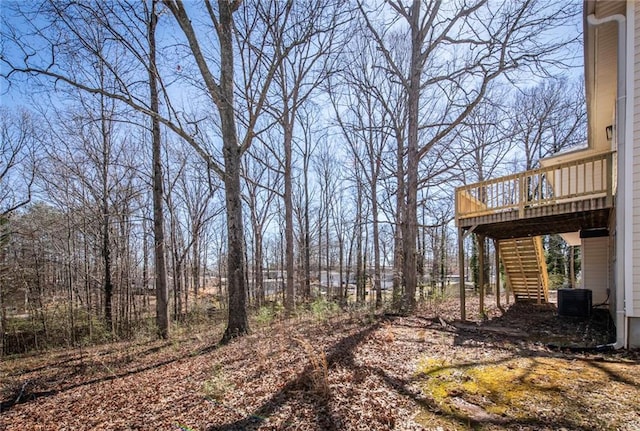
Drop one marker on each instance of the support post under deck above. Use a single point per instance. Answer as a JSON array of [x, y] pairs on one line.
[[496, 246], [463, 310], [481, 280]]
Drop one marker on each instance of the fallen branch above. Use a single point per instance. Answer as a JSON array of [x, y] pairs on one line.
[[24, 386]]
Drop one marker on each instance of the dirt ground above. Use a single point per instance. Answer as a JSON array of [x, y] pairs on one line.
[[525, 369]]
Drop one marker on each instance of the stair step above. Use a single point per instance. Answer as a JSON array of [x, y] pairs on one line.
[[524, 268]]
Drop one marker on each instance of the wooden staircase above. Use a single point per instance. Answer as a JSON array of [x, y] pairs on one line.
[[525, 268]]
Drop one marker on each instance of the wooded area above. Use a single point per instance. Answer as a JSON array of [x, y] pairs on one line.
[[175, 162], [230, 215]]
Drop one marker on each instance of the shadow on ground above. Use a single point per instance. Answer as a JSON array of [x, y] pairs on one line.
[[541, 324]]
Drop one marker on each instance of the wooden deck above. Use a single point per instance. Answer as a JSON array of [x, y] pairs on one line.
[[515, 210], [567, 197]]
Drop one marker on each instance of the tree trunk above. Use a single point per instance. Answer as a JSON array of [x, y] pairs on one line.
[[185, 275], [289, 300], [410, 220], [195, 263], [238, 323], [145, 263], [377, 273], [320, 219], [162, 293], [347, 275], [306, 265], [106, 250], [259, 272], [360, 284], [443, 258], [4, 240], [330, 290], [398, 278]]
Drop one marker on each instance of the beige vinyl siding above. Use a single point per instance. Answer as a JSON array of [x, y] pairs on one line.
[[636, 166], [604, 90], [610, 7], [595, 267], [589, 177]]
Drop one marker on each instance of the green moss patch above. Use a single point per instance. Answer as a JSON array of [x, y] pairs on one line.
[[502, 392]]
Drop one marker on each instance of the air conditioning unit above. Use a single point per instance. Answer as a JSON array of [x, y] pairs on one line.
[[574, 302]]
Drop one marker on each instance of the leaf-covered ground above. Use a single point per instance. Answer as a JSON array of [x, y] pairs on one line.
[[348, 371]]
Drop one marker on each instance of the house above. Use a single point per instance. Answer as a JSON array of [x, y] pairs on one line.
[[590, 196]]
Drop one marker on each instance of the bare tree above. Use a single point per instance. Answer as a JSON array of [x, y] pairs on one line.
[[547, 118], [221, 92], [64, 27], [487, 41], [262, 184], [82, 34], [162, 294], [485, 139], [18, 140], [300, 37], [327, 168], [306, 146], [198, 192], [363, 101], [88, 149], [18, 145]]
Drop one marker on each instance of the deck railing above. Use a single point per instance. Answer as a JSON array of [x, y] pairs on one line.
[[590, 177]]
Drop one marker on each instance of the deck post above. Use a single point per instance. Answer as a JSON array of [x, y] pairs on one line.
[[496, 246], [507, 290], [463, 311], [481, 280]]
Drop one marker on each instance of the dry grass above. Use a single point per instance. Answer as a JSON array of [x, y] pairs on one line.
[[318, 369]]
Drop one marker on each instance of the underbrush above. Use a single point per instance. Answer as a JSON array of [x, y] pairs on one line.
[[52, 329], [267, 314], [217, 385], [319, 309], [322, 309]]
